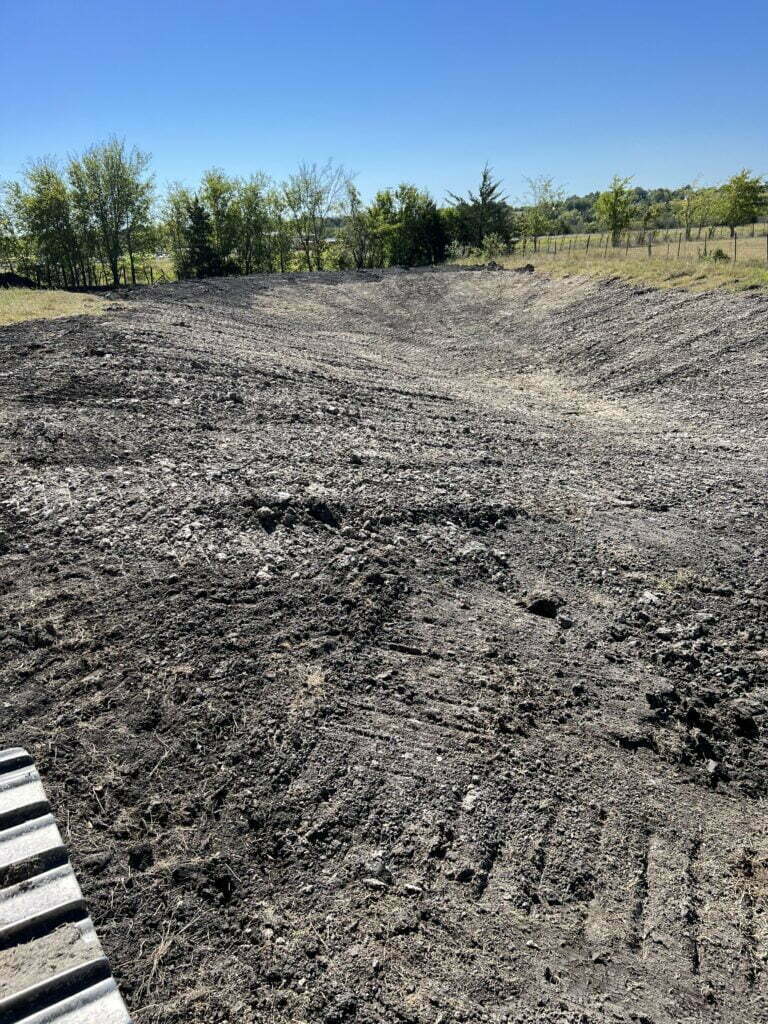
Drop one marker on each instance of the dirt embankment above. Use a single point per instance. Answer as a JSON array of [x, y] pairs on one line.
[[394, 645]]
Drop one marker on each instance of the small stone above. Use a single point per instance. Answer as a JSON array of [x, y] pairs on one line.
[[745, 711], [544, 603], [375, 867], [375, 883], [470, 799], [662, 695], [266, 517]]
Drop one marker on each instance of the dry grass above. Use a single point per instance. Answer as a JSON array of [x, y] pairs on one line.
[[672, 262], [656, 271], [20, 304]]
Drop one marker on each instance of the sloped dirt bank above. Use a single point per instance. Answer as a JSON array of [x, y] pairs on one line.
[[394, 645]]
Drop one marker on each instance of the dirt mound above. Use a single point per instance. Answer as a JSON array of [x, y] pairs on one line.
[[395, 647], [10, 280]]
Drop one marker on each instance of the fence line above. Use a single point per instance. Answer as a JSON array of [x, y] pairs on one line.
[[747, 247], [94, 275]]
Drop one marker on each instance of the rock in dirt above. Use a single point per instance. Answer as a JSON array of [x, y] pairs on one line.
[[546, 603]]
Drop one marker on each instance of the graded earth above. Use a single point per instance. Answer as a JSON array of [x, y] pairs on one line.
[[394, 645]]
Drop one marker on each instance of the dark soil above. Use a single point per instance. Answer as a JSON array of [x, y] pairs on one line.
[[395, 645], [8, 279]]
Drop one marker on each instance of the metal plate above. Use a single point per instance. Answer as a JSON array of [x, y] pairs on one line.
[[52, 967]]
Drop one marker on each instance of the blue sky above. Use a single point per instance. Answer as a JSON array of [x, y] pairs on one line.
[[420, 91]]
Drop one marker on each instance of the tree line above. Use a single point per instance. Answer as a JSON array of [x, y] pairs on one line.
[[98, 216], [315, 220], [486, 221], [98, 209]]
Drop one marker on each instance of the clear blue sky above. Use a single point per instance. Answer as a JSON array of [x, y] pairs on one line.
[[423, 91]]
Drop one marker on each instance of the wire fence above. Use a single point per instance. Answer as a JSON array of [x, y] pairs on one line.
[[718, 243], [87, 277]]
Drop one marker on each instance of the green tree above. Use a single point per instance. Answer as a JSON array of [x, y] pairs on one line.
[[422, 230], [202, 258], [280, 238], [684, 208], [707, 209], [614, 207], [382, 220], [743, 198], [493, 246], [406, 228], [540, 216], [357, 231], [481, 213], [218, 194], [175, 227], [251, 222], [112, 194], [697, 208], [140, 228], [312, 196], [12, 247], [42, 206], [651, 215]]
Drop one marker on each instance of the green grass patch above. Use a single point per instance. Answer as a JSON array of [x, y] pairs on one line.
[[20, 304]]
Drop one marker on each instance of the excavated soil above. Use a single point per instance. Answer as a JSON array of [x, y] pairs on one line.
[[394, 646]]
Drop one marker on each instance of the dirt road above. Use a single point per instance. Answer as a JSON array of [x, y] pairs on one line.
[[395, 645]]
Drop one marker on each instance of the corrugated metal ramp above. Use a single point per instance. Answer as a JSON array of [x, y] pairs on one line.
[[52, 967]]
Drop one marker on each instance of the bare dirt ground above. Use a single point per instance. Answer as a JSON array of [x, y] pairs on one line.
[[395, 645]]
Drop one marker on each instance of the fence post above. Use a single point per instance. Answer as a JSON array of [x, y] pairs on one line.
[[589, 236], [679, 242], [735, 233], [626, 248], [151, 275], [605, 251]]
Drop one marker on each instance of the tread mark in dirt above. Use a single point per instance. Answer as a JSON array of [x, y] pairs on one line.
[[264, 579], [640, 896]]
